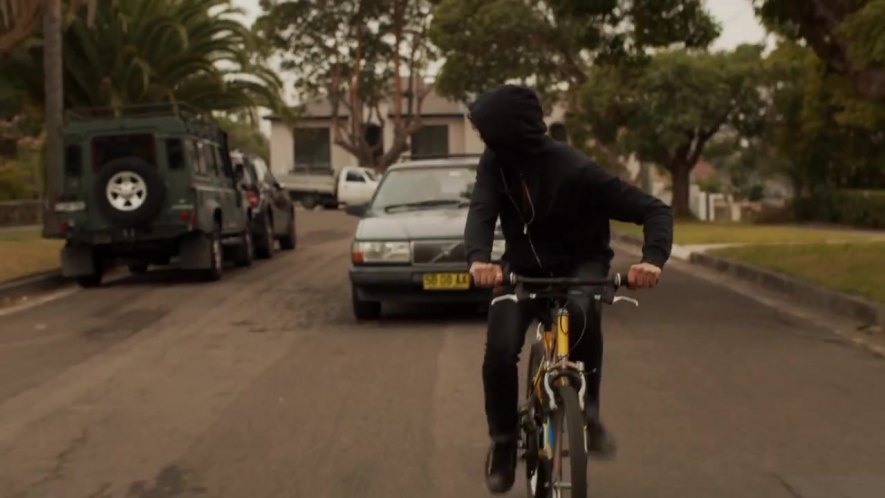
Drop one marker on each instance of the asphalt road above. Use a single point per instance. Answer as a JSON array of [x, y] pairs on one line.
[[262, 385]]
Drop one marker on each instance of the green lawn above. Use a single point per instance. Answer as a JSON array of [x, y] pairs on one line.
[[695, 232], [855, 268], [24, 252]]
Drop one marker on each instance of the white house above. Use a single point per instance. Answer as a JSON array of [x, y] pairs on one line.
[[446, 130]]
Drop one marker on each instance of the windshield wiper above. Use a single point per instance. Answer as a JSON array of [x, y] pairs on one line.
[[425, 204]]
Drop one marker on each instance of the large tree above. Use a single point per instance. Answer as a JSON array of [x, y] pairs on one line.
[[818, 132], [357, 54], [847, 35], [555, 43], [666, 111]]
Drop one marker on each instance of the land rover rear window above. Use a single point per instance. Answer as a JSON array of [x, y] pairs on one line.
[[108, 148]]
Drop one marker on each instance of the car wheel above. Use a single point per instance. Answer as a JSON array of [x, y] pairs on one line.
[[246, 249], [216, 256], [309, 201], [265, 245], [129, 192], [138, 268], [289, 241], [364, 310]]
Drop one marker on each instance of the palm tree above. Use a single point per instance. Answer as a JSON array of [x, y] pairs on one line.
[[149, 51], [188, 51]]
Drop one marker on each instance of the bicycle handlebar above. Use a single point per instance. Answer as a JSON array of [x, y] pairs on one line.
[[607, 295], [615, 281]]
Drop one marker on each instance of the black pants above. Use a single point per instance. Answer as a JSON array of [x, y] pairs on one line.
[[508, 322]]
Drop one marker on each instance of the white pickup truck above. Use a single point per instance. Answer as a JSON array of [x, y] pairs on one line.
[[312, 187]]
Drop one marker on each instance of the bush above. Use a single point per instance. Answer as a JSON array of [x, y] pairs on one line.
[[13, 185], [860, 208]]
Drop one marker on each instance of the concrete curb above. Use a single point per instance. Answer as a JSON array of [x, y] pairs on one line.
[[797, 290], [38, 282]]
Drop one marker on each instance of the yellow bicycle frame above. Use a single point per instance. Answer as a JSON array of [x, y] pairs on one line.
[[561, 327], [554, 337]]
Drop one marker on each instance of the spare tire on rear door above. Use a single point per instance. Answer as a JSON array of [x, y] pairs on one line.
[[129, 191]]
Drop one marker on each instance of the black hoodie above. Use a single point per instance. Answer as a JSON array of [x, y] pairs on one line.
[[553, 201]]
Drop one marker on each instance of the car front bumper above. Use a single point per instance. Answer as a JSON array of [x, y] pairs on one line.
[[404, 284]]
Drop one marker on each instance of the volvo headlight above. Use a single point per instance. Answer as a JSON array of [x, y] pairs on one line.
[[498, 247], [381, 252]]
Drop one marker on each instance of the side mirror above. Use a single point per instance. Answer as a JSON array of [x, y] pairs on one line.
[[358, 210], [239, 172]]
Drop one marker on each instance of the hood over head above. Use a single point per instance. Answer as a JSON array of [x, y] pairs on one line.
[[510, 120]]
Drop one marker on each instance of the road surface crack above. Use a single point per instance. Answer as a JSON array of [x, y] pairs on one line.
[[786, 485], [63, 458]]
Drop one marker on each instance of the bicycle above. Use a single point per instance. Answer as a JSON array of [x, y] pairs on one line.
[[553, 431]]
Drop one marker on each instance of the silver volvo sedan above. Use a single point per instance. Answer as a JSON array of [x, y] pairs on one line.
[[409, 244]]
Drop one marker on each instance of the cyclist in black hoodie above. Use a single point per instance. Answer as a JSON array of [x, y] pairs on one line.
[[554, 205]]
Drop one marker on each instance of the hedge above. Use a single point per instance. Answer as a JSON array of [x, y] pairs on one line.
[[860, 208]]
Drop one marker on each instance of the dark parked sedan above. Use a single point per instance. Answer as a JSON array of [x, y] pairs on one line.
[[409, 246], [273, 215]]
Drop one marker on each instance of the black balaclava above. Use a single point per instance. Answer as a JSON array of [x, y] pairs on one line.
[[510, 121]]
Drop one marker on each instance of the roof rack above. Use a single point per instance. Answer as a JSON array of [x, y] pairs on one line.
[[181, 110], [195, 120]]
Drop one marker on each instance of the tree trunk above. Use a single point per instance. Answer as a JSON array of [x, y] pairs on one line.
[[54, 109], [680, 174]]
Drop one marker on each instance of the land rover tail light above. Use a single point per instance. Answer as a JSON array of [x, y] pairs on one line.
[[252, 197]]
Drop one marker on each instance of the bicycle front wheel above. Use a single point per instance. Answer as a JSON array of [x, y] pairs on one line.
[[569, 469]]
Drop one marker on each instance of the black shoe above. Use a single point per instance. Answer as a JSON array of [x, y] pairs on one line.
[[602, 443], [501, 467]]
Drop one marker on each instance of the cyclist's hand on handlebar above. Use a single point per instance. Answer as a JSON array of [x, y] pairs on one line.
[[643, 276], [486, 274]]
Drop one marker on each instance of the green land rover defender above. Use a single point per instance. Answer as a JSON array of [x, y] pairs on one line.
[[149, 185]]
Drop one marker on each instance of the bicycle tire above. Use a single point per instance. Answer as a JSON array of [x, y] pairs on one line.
[[577, 446], [536, 468]]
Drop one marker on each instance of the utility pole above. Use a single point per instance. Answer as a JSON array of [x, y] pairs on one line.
[[54, 109]]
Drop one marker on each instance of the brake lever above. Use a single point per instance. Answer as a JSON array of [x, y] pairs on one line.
[[625, 299]]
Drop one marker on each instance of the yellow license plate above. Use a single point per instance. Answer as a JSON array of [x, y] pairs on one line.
[[446, 281]]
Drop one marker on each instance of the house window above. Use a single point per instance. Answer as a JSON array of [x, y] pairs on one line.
[[312, 148], [431, 141]]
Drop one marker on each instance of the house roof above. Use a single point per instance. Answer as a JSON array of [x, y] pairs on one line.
[[434, 105]]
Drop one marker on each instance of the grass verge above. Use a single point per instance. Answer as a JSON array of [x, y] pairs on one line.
[[854, 268], [694, 232], [23, 252]]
